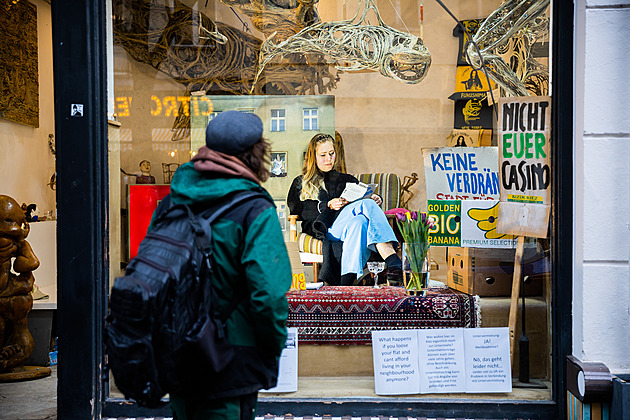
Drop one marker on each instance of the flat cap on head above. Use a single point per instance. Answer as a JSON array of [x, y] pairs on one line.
[[233, 132]]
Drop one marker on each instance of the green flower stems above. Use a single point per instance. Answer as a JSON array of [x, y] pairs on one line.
[[414, 228]]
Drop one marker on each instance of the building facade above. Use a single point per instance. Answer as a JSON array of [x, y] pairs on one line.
[[88, 63]]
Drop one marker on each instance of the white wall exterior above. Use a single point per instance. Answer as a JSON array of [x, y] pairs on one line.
[[26, 163], [601, 292]]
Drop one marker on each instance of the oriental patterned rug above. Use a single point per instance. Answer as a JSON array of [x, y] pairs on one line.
[[348, 315]]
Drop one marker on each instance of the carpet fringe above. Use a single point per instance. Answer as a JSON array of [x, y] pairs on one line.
[[477, 311]]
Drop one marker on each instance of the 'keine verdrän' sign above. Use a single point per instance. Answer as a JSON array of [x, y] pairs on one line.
[[461, 173]]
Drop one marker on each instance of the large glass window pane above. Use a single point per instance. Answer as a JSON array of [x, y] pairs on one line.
[[445, 117]]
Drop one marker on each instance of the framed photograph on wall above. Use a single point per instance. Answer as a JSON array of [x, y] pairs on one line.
[[278, 164]]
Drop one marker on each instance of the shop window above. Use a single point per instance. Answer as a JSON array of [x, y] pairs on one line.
[[310, 119], [394, 119], [278, 120]]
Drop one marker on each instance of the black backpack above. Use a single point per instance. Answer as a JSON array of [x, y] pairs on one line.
[[163, 334]]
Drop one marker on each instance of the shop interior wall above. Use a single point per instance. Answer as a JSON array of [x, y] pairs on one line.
[[384, 123], [26, 162]]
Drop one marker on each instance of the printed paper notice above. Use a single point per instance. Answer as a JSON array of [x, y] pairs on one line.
[[288, 369], [437, 361], [395, 355], [442, 364], [488, 360]]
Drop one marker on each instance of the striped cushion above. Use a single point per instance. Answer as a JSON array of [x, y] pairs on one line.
[[388, 187], [307, 243]]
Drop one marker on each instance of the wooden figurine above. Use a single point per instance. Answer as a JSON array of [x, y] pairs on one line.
[[16, 301]]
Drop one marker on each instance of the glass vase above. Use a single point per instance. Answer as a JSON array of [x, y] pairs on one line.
[[416, 267]]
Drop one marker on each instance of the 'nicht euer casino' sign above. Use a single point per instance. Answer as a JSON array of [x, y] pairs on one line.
[[524, 165]]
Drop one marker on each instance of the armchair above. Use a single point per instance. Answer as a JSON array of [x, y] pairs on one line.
[[389, 188]]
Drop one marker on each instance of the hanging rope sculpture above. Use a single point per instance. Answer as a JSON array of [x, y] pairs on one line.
[[163, 37], [209, 56], [395, 54], [285, 17], [518, 54], [513, 27], [203, 55]]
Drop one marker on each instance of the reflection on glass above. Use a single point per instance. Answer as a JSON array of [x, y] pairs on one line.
[[178, 64]]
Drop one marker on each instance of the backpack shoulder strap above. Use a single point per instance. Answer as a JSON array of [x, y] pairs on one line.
[[210, 215], [231, 201], [163, 208]]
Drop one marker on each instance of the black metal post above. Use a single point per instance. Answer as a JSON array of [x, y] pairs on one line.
[[80, 75]]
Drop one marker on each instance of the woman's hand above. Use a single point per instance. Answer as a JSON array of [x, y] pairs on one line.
[[337, 203], [377, 199]]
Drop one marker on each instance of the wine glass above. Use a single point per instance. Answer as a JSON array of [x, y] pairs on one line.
[[376, 267]]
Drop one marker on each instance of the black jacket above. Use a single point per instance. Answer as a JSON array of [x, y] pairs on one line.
[[317, 217]]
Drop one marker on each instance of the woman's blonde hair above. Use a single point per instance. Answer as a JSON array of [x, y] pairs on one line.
[[312, 177]]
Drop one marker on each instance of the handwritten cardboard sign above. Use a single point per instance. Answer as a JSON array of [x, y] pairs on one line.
[[461, 173], [524, 138]]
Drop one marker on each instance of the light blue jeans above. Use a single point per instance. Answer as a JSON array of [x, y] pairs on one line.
[[360, 225]]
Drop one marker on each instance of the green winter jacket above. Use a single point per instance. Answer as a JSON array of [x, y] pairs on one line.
[[249, 253]]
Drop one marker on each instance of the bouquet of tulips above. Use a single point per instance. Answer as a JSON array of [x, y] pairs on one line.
[[414, 228]]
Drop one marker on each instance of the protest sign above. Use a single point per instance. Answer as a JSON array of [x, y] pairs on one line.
[[395, 356], [454, 360], [461, 173], [471, 83], [524, 152], [442, 364], [488, 366], [469, 138]]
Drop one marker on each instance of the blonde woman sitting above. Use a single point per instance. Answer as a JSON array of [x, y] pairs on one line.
[[350, 231]]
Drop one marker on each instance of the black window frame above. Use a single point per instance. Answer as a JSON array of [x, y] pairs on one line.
[[80, 76]]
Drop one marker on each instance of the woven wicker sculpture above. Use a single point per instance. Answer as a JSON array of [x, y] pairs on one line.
[[285, 17], [513, 27], [211, 56], [399, 55]]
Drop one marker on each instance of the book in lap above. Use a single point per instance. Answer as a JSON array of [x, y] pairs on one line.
[[354, 192]]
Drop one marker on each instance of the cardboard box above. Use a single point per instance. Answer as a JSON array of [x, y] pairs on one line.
[[485, 272], [297, 269]]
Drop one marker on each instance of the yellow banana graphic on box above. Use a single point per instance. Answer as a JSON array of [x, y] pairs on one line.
[[487, 221]]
